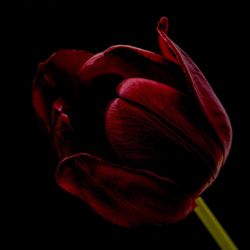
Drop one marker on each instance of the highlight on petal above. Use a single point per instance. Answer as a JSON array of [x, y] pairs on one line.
[[122, 195]]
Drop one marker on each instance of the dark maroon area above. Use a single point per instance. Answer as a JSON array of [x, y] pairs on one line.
[[66, 214]]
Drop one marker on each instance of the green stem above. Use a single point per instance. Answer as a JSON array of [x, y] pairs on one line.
[[213, 226]]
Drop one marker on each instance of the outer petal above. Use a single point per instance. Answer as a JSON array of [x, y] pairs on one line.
[[55, 83], [122, 195], [199, 86], [56, 78], [125, 62]]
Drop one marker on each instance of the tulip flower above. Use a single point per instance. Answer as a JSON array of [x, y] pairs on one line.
[[139, 135]]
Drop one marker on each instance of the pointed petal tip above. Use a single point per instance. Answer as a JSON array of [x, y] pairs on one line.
[[163, 24]]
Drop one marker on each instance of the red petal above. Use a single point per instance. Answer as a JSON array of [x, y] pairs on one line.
[[126, 62], [47, 87], [208, 101], [124, 196], [154, 134], [174, 108]]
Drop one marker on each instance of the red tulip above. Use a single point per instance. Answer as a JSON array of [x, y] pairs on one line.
[[139, 135]]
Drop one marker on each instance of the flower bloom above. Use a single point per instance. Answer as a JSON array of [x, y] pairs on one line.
[[139, 135]]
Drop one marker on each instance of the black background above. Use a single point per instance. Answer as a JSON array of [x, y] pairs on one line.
[[205, 33]]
